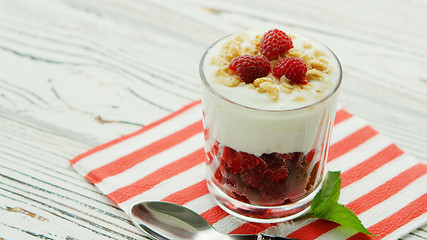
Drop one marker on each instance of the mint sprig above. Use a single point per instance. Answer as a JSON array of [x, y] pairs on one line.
[[325, 205]]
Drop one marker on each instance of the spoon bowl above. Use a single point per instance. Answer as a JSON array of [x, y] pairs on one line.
[[164, 220], [168, 221]]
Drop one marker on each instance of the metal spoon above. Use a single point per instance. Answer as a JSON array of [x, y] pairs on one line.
[[168, 221]]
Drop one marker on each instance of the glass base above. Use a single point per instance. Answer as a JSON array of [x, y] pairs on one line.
[[261, 214]]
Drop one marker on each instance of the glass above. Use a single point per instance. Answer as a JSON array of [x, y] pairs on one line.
[[278, 166]]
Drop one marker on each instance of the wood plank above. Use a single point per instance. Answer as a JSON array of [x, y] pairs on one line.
[[150, 28], [42, 190], [75, 74]]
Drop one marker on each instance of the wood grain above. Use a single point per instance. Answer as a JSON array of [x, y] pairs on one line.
[[75, 74], [42, 196]]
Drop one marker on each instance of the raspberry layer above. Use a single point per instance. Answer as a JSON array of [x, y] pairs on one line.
[[271, 179]]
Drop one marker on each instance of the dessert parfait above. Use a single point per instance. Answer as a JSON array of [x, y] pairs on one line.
[[268, 103]]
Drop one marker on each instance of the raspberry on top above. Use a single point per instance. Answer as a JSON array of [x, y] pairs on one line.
[[270, 63]]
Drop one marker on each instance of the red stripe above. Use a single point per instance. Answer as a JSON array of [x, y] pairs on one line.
[[313, 229], [397, 220], [252, 228], [214, 214], [158, 176], [368, 166], [388, 189], [341, 115], [124, 137], [197, 190], [130, 160], [351, 142], [188, 194]]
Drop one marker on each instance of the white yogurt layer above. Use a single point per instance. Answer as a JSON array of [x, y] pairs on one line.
[[250, 121]]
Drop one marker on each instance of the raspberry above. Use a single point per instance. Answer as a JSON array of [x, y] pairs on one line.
[[278, 175], [250, 161], [234, 165], [225, 154], [286, 157], [275, 42], [298, 160], [293, 68], [272, 193], [277, 167], [219, 177], [252, 178], [250, 67], [270, 179], [241, 197]]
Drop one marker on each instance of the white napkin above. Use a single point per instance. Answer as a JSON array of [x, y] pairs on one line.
[[385, 187]]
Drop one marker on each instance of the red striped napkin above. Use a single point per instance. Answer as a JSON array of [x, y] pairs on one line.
[[384, 186]]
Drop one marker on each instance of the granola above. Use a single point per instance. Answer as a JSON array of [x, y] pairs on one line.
[[318, 67]]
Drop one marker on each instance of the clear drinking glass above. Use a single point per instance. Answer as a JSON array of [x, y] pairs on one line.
[[279, 165]]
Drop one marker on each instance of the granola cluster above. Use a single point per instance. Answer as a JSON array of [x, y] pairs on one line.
[[318, 67]]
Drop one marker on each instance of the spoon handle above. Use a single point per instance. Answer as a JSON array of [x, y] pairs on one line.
[[267, 237], [257, 237]]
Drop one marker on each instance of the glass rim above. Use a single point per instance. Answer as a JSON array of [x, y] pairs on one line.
[[213, 91]]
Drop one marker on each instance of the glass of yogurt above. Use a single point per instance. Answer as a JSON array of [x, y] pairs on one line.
[[267, 138]]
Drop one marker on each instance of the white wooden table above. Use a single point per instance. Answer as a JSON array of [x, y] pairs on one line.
[[75, 74]]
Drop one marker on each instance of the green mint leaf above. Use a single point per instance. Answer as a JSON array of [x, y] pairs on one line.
[[325, 205], [344, 216], [330, 192]]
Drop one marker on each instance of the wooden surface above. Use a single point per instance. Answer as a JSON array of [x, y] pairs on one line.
[[75, 74]]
